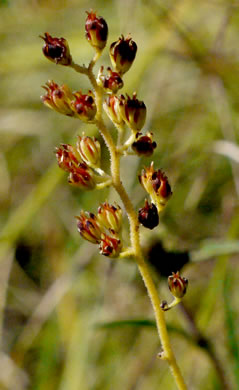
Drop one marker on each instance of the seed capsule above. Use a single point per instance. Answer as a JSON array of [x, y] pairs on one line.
[[133, 112], [96, 30], [67, 157], [111, 107], [144, 145], [148, 215], [122, 54], [113, 82], [56, 50], [80, 174], [84, 106], [157, 186], [82, 177], [89, 150], [110, 245], [110, 216], [177, 285], [58, 98], [89, 227]]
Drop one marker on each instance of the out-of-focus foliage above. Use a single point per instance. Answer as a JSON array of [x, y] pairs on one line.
[[54, 288]]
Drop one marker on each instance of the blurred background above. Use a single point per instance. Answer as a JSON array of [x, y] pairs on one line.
[[71, 319]]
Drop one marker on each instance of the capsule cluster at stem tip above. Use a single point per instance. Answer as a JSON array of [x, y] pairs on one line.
[[82, 162]]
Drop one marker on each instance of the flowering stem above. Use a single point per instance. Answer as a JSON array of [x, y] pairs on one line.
[[143, 268], [136, 251]]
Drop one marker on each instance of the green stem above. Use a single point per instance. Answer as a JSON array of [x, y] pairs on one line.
[[121, 131], [135, 242], [143, 268], [134, 236], [127, 144]]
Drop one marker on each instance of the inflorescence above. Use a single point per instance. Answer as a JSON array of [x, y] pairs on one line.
[[82, 161]]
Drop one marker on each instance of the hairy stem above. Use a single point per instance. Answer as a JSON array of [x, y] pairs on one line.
[[167, 353], [143, 268], [135, 242]]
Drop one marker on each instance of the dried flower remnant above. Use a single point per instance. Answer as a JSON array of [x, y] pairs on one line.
[[89, 150], [88, 227], [110, 216], [58, 98], [84, 106], [133, 112], [144, 145], [148, 215], [56, 50], [122, 54], [110, 245], [177, 285], [96, 30]]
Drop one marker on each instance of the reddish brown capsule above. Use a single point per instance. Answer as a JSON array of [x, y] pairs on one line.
[[177, 285], [148, 215], [110, 216], [113, 82], [160, 184], [133, 112], [82, 176], [110, 245], [122, 54], [70, 161], [144, 145], [67, 157], [84, 106], [96, 30], [89, 227], [58, 98], [56, 50], [157, 185]]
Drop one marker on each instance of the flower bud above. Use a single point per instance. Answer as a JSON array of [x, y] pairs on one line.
[[110, 245], [56, 50], [84, 106], [110, 216], [133, 112], [89, 227], [148, 215], [177, 285], [144, 145], [96, 30], [58, 98], [111, 107], [157, 185], [113, 82], [89, 150], [122, 54]]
